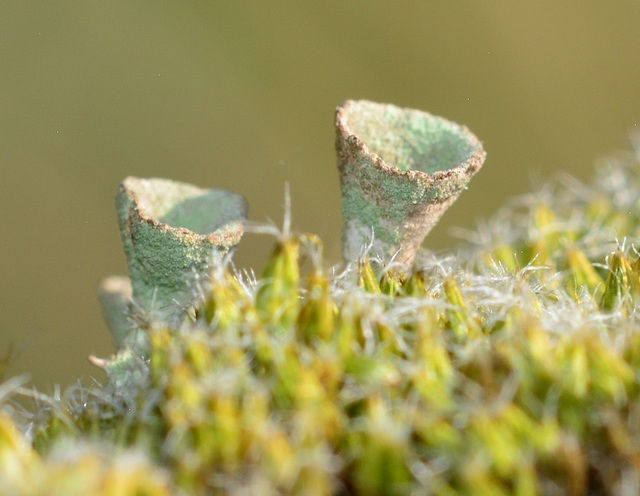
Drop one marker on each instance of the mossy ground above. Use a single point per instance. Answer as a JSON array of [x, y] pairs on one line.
[[509, 368]]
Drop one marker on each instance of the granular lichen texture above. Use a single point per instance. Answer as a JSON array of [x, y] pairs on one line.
[[171, 231], [510, 367], [400, 169]]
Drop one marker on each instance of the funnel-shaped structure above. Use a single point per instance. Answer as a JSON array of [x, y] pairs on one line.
[[400, 170], [171, 231]]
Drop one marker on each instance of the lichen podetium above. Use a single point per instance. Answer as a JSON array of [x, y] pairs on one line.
[[400, 169], [171, 231]]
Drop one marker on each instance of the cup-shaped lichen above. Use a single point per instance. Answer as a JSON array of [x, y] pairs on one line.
[[114, 295], [171, 231], [400, 170]]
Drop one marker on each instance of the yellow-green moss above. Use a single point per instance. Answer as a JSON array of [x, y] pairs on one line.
[[512, 367]]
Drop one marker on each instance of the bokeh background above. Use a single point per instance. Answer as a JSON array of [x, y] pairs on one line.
[[241, 96]]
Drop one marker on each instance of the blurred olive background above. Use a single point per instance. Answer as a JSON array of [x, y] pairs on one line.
[[241, 96]]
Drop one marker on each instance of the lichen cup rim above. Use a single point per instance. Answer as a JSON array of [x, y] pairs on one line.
[[470, 166], [173, 233], [227, 234], [401, 168]]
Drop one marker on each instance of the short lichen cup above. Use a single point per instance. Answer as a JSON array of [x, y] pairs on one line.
[[172, 232], [400, 170]]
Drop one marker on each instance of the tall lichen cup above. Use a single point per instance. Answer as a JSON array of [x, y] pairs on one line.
[[400, 169], [171, 231]]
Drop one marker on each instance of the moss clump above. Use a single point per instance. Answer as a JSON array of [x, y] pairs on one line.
[[511, 368], [75, 467]]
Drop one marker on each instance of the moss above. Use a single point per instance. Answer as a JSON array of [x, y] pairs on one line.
[[511, 367]]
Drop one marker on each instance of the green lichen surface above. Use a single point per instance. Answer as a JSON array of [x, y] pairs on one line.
[[511, 367], [206, 213], [374, 199], [400, 193], [178, 204], [355, 206], [163, 258]]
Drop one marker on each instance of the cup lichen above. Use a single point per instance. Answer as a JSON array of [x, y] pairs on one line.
[[400, 169], [171, 232]]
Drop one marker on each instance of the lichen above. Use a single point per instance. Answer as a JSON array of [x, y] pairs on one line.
[[400, 169], [171, 231], [397, 135]]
